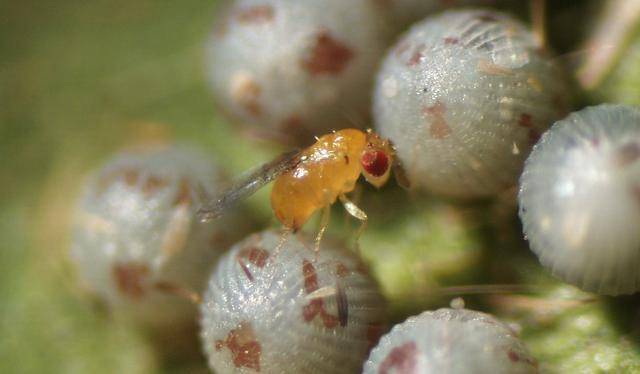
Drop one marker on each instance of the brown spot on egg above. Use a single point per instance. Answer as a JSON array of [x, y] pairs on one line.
[[152, 185], [130, 278], [627, 154], [246, 92], [450, 40], [438, 129], [328, 55], [316, 306], [243, 345], [130, 177], [183, 196], [416, 56], [256, 256], [310, 277], [255, 14], [401, 359]]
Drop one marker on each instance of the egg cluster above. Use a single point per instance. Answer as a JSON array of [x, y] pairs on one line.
[[463, 103]]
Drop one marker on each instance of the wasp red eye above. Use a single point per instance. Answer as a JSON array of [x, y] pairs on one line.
[[375, 162]]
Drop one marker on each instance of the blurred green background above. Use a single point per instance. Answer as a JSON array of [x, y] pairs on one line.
[[81, 79], [78, 81]]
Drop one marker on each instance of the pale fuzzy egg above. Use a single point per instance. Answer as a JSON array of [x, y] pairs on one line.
[[294, 68], [452, 341], [291, 313], [463, 96], [136, 235], [580, 199]]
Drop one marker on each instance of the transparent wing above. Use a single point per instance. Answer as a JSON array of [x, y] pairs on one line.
[[248, 184]]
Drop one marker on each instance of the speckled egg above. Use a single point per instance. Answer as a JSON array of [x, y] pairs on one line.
[[450, 341], [293, 69], [136, 237], [580, 199], [463, 96], [288, 312]]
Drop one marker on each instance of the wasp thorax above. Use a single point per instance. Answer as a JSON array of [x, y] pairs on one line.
[[290, 313]]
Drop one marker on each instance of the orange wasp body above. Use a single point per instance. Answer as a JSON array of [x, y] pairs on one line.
[[327, 170], [314, 178]]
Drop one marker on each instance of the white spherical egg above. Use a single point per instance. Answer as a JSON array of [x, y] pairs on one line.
[[452, 341], [580, 199], [289, 313], [136, 234], [297, 68], [463, 96]]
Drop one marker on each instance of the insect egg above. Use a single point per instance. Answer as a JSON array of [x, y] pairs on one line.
[[136, 234], [290, 313], [294, 69], [580, 199], [463, 96], [450, 341]]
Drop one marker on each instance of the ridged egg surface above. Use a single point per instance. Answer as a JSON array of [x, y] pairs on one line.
[[295, 68], [463, 96], [451, 341], [135, 227], [290, 313], [580, 199]]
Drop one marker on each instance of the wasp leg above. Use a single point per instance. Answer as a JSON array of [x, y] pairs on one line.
[[283, 239], [324, 222], [358, 213], [177, 290]]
